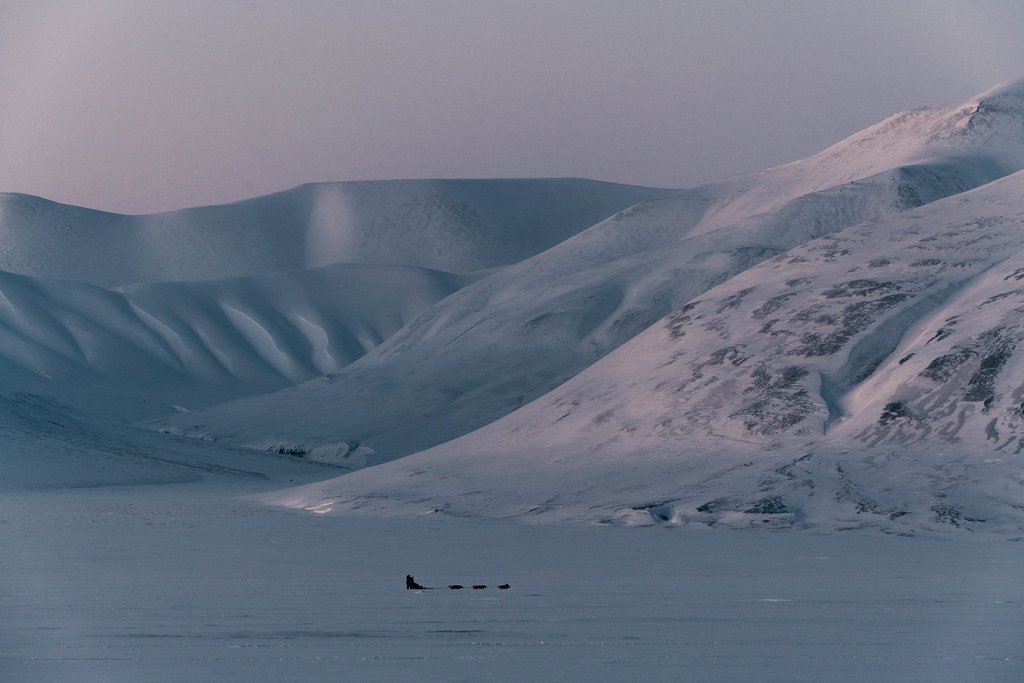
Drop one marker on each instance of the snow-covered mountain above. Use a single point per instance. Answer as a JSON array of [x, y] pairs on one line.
[[869, 377], [509, 338], [832, 342], [197, 343], [450, 225]]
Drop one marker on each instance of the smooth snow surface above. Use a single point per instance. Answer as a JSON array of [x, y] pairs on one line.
[[450, 225], [172, 583]]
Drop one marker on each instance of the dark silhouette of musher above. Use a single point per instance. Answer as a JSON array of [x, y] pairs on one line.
[[410, 583]]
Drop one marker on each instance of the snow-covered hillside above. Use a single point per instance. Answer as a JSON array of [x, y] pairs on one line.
[[197, 343], [450, 225], [868, 378], [507, 339]]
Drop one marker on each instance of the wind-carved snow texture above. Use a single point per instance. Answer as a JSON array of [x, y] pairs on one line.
[[197, 343]]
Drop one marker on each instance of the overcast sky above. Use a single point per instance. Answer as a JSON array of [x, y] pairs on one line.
[[137, 106]]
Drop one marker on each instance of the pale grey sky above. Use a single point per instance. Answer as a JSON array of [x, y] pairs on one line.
[[139, 106]]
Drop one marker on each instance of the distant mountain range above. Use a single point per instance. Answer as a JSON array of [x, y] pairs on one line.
[[832, 343]]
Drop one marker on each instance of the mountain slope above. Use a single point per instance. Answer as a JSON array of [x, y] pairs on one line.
[[520, 332], [202, 342], [867, 378], [450, 225]]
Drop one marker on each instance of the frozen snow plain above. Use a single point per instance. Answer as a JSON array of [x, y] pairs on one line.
[[185, 582]]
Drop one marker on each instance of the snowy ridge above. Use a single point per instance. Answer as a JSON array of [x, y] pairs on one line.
[[987, 126], [450, 225], [511, 337]]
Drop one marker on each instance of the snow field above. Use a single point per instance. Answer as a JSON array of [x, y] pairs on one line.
[[183, 582]]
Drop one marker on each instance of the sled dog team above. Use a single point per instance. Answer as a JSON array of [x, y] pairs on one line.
[[410, 584]]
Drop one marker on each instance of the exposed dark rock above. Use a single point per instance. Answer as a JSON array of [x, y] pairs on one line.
[[907, 196], [768, 506], [859, 288], [1000, 296], [943, 367], [778, 402], [945, 330], [733, 300], [679, 319], [981, 386], [733, 354], [952, 514], [808, 313], [853, 319], [771, 305], [892, 412]]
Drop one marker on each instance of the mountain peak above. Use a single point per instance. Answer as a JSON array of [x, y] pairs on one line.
[[996, 118], [988, 126], [1011, 91]]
